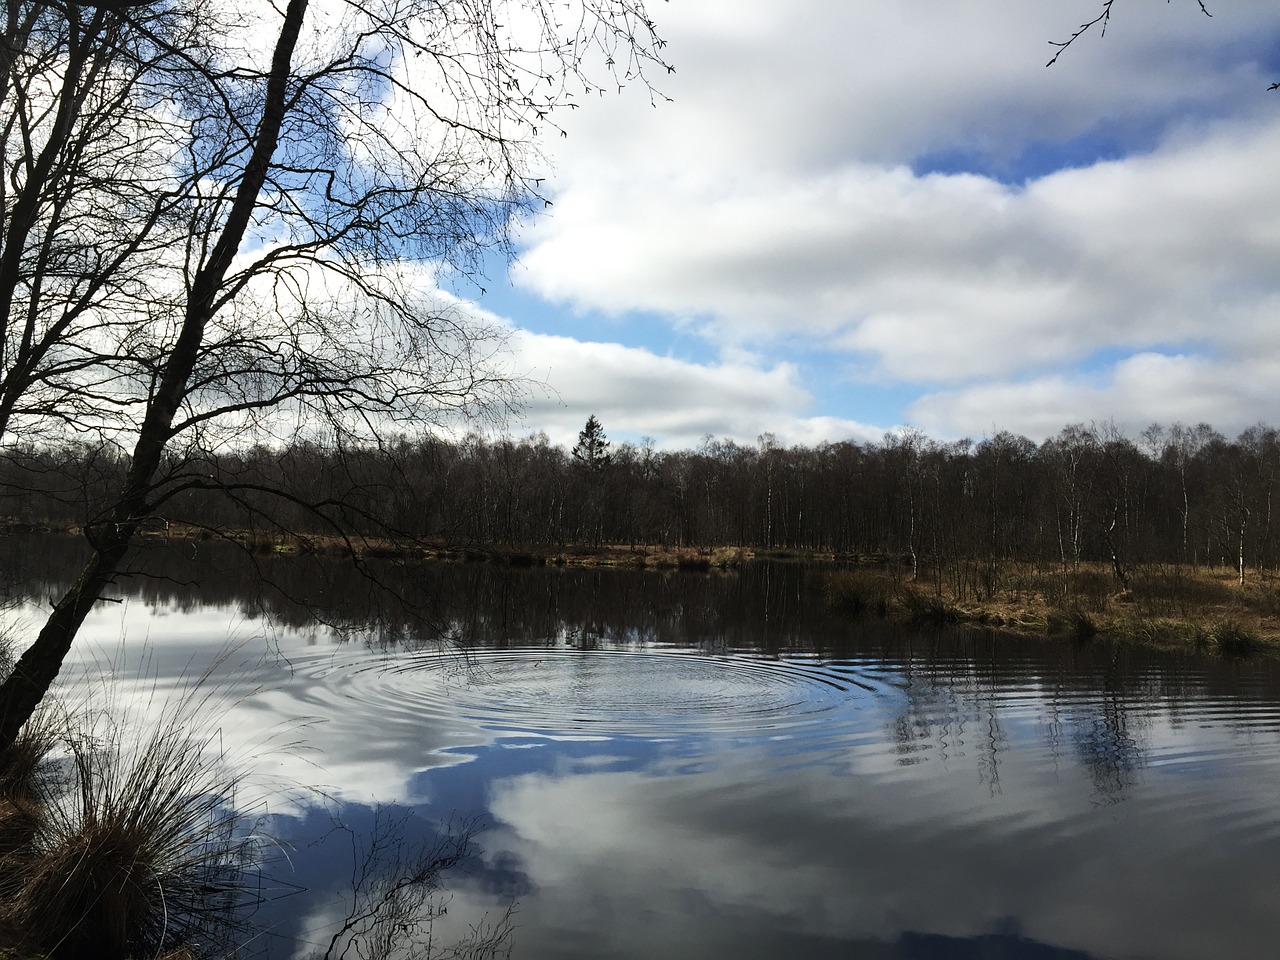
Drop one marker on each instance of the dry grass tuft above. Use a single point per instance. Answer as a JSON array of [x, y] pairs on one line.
[[1228, 639], [1073, 622], [123, 837], [24, 785], [139, 856], [927, 608]]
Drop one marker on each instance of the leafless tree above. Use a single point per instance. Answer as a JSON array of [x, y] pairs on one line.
[[223, 221]]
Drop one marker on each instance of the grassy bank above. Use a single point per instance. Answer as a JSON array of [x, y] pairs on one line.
[[1178, 607], [637, 556]]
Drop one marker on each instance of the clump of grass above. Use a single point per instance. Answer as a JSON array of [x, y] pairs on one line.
[[1152, 630], [859, 592], [726, 558], [24, 785], [1228, 639], [131, 845], [927, 608], [7, 657], [1075, 622], [20, 767]]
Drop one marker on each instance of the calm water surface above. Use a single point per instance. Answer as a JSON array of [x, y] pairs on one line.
[[690, 765]]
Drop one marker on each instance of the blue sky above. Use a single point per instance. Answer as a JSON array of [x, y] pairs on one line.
[[855, 217]]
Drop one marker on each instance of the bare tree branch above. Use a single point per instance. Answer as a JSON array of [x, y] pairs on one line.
[[1101, 21], [221, 224]]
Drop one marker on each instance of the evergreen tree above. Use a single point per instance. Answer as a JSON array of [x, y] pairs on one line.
[[592, 449]]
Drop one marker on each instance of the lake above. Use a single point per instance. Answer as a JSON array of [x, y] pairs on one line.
[[708, 764]]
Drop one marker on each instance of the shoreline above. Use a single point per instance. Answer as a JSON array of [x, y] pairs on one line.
[[1168, 607]]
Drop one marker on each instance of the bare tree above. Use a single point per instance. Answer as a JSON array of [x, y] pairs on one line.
[[262, 263]]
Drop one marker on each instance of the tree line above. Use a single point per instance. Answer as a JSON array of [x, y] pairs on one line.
[[1176, 494]]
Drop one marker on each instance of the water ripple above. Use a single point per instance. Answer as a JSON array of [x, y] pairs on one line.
[[593, 692]]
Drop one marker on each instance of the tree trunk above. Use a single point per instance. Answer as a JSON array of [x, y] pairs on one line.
[[38, 667]]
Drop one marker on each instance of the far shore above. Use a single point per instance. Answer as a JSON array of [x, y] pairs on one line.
[[1170, 606]]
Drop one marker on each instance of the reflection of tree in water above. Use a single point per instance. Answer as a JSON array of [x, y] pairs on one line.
[[956, 699], [952, 706], [956, 683], [374, 883], [387, 603], [1097, 721], [1106, 738], [398, 894]]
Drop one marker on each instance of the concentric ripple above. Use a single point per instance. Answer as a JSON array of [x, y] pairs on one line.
[[593, 692]]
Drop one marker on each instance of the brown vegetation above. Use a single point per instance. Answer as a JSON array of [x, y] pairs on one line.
[[1171, 606]]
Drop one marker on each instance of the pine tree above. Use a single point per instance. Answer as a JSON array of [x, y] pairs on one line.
[[592, 449]]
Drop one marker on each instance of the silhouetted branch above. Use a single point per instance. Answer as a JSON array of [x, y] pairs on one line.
[[1100, 22]]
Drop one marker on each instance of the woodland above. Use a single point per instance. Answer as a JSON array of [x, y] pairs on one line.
[[1089, 495]]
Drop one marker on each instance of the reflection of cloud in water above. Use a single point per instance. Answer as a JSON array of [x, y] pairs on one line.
[[838, 859], [139, 653]]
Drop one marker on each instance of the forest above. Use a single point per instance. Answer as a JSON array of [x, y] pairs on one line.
[[1090, 494]]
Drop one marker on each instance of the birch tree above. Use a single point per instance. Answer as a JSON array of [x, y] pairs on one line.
[[224, 222]]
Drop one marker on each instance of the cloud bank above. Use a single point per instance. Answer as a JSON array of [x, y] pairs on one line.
[[906, 192]]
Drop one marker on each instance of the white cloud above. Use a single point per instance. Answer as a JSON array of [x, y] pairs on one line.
[[805, 85], [1142, 389], [636, 392], [937, 278], [773, 206]]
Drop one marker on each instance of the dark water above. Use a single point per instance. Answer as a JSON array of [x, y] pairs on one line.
[[687, 765]]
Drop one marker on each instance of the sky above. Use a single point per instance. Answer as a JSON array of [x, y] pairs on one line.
[[852, 218]]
